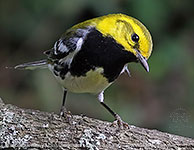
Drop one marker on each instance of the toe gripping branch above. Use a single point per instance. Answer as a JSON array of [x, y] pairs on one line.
[[118, 121]]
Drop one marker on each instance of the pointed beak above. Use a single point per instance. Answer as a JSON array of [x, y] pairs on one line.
[[142, 60]]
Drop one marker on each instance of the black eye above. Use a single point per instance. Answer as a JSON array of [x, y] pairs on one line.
[[135, 37]]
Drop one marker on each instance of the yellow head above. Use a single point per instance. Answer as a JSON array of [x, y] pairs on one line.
[[127, 31]]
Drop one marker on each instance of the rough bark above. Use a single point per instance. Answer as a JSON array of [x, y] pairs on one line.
[[33, 129]]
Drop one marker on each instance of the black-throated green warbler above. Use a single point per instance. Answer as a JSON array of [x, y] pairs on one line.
[[92, 54]]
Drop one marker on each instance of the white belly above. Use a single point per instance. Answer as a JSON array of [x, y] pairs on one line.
[[93, 82]]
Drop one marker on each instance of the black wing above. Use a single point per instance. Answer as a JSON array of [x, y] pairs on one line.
[[70, 42]]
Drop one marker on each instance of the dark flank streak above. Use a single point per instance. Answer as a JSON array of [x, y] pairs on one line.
[[60, 69]]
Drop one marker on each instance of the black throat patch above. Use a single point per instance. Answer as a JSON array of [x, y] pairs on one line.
[[101, 51]]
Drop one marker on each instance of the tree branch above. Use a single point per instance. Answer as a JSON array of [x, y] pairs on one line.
[[25, 129]]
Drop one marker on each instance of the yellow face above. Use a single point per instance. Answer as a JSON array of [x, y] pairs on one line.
[[127, 31]]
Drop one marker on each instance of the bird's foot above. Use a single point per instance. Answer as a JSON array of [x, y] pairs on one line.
[[66, 114], [120, 123]]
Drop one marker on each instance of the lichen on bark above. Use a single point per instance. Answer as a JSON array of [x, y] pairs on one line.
[[27, 129]]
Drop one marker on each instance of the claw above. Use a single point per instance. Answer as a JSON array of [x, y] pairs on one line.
[[120, 123], [66, 114]]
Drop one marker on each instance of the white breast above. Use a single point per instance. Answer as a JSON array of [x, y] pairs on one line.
[[93, 82]]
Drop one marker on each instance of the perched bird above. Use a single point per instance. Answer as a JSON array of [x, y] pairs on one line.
[[91, 55]]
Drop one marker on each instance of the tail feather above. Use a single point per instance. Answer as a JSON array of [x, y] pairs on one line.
[[33, 65]]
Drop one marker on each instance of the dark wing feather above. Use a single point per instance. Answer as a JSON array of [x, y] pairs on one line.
[[66, 44], [69, 43]]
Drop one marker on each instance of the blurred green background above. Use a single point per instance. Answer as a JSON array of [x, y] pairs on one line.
[[162, 99]]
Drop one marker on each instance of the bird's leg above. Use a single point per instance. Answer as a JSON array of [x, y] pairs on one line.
[[118, 121], [63, 112], [63, 109]]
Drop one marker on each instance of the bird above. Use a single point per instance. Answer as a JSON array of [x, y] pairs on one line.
[[91, 55]]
